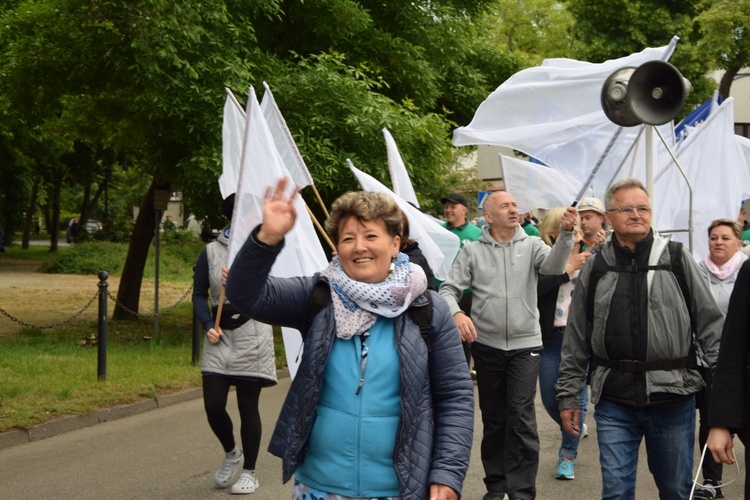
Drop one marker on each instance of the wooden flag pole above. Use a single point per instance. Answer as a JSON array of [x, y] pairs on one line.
[[322, 205], [320, 228], [220, 307]]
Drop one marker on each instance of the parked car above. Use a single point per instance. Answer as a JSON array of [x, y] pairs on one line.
[[74, 229]]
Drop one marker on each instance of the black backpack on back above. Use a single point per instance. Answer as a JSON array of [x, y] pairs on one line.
[[320, 297], [677, 268]]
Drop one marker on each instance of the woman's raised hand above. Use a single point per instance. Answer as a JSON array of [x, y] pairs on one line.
[[576, 260], [279, 213]]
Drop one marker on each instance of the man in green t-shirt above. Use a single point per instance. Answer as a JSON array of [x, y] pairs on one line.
[[455, 208], [526, 223]]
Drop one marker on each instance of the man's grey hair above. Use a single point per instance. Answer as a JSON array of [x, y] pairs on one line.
[[626, 183]]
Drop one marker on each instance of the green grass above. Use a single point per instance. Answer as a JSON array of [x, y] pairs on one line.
[[49, 373]]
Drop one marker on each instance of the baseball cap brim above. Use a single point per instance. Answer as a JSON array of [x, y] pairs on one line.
[[455, 198]]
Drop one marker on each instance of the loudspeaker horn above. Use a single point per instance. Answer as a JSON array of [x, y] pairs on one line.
[[615, 100], [653, 93]]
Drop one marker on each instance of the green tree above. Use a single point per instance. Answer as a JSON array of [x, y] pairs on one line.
[[607, 29], [724, 25], [145, 80], [538, 29]]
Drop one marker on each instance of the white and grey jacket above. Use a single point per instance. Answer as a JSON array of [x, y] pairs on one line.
[[246, 351], [668, 332]]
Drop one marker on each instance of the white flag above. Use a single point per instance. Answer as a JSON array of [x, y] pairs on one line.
[[233, 138], [717, 169], [438, 245], [536, 186], [744, 143], [262, 166], [402, 185], [553, 112], [284, 141]]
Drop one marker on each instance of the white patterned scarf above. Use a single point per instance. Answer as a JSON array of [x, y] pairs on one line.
[[356, 304]]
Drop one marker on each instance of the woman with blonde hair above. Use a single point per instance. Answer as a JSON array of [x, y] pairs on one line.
[[553, 301]]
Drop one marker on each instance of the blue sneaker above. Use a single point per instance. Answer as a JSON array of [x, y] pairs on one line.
[[565, 469]]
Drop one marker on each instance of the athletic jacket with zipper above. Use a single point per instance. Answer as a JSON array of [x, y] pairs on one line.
[[504, 279]]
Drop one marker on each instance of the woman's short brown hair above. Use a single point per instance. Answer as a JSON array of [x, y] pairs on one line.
[[733, 225], [364, 206]]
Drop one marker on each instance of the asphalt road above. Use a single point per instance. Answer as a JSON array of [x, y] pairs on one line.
[[170, 452]]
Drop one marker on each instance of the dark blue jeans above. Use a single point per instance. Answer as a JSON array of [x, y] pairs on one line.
[[669, 430], [549, 371]]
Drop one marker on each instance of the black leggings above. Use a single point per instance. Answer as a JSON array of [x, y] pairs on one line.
[[215, 392]]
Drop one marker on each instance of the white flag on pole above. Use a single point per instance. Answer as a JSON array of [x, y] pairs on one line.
[[290, 155], [553, 112], [438, 245], [262, 166], [717, 169], [233, 138], [536, 186], [402, 185], [744, 144]]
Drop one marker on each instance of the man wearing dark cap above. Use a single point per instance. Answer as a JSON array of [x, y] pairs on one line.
[[455, 208]]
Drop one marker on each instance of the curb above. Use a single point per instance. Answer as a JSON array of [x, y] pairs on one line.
[[72, 422]]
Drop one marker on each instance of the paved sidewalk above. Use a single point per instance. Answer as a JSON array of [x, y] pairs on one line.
[[171, 453]]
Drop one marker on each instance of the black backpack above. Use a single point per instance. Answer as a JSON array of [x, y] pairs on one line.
[[320, 297], [677, 268]]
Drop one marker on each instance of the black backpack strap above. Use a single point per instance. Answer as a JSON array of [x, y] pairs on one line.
[[319, 298], [598, 270], [634, 365], [677, 268], [422, 316]]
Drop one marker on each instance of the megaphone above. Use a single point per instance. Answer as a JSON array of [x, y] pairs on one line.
[[653, 93]]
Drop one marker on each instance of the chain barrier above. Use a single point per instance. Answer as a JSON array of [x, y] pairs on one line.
[[166, 310], [53, 325], [88, 304]]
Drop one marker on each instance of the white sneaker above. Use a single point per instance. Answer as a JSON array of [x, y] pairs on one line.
[[247, 483], [228, 469], [585, 432]]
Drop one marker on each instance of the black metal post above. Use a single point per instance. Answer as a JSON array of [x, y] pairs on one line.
[[101, 367], [156, 274]]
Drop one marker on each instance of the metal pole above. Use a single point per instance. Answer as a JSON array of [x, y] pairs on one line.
[[650, 162], [196, 335], [101, 367], [156, 273], [690, 191]]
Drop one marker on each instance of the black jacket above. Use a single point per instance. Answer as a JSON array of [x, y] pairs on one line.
[[546, 300], [730, 393], [417, 257]]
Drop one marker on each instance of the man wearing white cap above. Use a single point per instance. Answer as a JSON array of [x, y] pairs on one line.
[[593, 226]]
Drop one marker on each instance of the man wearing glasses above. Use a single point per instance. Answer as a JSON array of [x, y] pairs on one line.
[[639, 341]]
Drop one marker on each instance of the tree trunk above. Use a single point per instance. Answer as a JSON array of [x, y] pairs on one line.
[[54, 225], [726, 81], [85, 207], [129, 293], [31, 210]]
